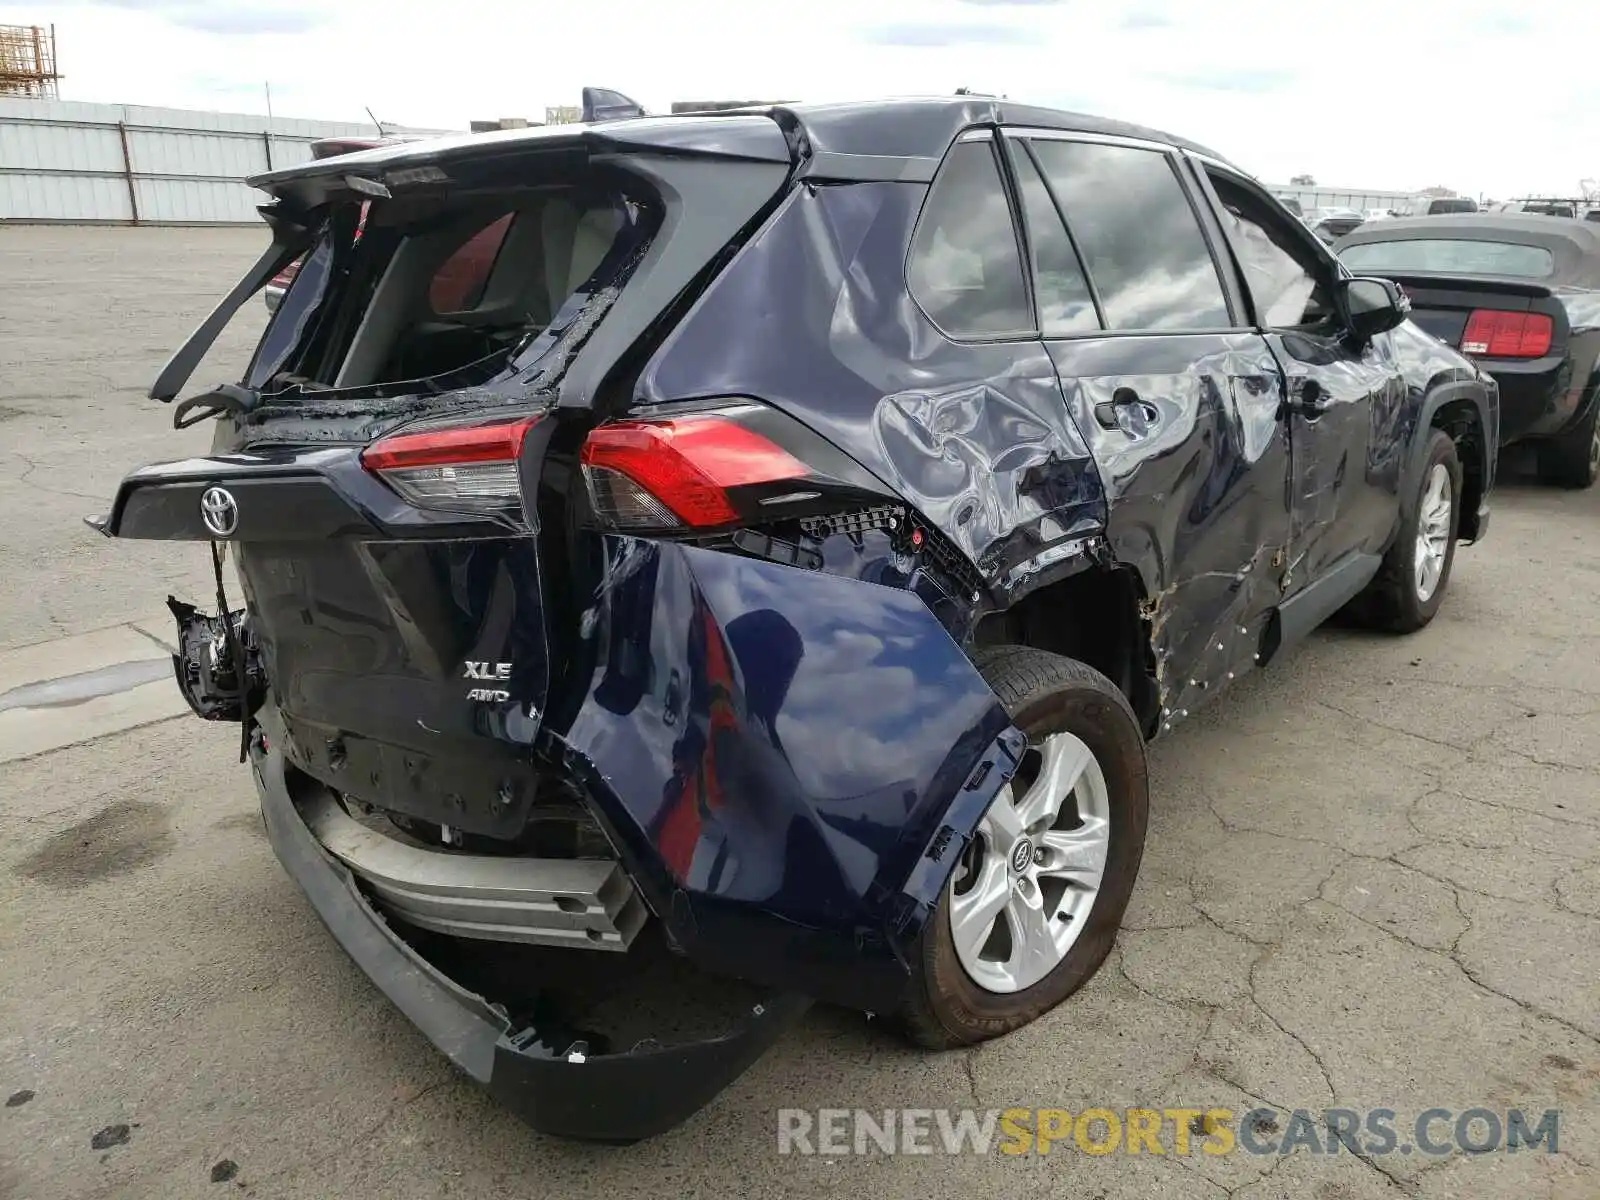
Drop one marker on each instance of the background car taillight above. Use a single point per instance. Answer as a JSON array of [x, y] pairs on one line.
[[1495, 334], [459, 468], [684, 471]]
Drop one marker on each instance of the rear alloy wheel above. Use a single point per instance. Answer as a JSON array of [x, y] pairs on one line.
[[1572, 460], [1035, 900], [1024, 889]]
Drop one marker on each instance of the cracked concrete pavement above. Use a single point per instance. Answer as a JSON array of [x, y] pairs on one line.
[[1372, 880]]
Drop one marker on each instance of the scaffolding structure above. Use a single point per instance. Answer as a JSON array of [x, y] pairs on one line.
[[28, 62]]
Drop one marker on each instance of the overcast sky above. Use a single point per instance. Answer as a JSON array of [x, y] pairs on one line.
[[1480, 95]]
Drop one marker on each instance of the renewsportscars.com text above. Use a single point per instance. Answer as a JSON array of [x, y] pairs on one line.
[[1180, 1131]]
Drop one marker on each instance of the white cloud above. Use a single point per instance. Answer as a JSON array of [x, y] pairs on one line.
[[1480, 95]]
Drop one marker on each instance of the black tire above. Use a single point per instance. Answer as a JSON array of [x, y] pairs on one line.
[[1392, 601], [1044, 693], [1572, 458]]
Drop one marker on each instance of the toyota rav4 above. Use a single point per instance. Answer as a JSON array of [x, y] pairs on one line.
[[779, 557]]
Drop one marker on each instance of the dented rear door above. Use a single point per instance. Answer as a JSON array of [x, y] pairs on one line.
[[1180, 410]]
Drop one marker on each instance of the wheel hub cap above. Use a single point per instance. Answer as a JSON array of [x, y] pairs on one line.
[[1023, 891]]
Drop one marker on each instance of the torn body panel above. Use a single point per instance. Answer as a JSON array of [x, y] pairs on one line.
[[788, 761], [973, 436]]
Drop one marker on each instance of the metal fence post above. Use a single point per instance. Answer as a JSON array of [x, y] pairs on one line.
[[127, 172]]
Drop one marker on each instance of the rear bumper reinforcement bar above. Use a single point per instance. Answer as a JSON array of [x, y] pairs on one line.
[[585, 904]]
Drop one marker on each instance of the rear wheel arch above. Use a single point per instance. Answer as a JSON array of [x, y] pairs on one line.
[[1095, 616]]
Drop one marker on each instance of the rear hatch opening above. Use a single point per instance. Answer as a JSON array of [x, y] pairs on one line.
[[396, 468], [446, 288]]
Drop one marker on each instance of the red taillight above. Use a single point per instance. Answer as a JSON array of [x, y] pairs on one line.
[[470, 468], [678, 472], [1495, 334]]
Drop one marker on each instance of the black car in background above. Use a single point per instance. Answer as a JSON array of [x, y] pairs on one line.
[[780, 558], [1331, 224], [1519, 293], [1441, 206]]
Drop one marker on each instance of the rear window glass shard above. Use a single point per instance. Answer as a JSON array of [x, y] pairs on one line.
[[965, 268], [1141, 241]]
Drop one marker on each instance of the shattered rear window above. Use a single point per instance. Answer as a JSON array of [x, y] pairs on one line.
[[412, 293]]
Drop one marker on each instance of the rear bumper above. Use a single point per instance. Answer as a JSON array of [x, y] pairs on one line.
[[539, 1072], [1537, 399]]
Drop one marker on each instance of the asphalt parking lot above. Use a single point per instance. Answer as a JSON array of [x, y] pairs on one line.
[[1372, 878]]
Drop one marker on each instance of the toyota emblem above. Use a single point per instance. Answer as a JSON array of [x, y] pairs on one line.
[[219, 511], [1022, 855]]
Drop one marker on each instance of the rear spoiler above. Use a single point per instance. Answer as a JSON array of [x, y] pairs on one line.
[[1500, 285], [385, 169]]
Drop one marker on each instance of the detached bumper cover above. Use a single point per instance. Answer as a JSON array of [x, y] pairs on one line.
[[614, 1097]]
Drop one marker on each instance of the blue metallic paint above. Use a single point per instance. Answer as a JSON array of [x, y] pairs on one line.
[[1195, 474], [790, 761], [777, 753], [1436, 375], [973, 435]]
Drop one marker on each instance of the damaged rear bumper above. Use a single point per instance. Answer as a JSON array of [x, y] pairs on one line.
[[542, 1073]]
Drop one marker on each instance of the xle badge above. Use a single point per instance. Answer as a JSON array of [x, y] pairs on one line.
[[497, 671]]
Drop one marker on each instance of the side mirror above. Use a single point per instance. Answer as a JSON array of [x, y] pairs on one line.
[[1372, 306]]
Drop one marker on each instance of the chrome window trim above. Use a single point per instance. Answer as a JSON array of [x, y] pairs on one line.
[[1075, 135]]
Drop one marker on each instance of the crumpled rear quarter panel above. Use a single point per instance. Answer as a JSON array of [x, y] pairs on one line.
[[813, 316], [777, 753]]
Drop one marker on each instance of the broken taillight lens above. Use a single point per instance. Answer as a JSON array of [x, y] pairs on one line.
[[679, 472], [460, 468], [1495, 334]]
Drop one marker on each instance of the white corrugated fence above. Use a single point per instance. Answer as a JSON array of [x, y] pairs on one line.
[[62, 160]]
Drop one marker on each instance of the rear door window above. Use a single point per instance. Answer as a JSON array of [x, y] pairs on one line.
[[1061, 289], [1284, 276], [965, 268], [1140, 238]]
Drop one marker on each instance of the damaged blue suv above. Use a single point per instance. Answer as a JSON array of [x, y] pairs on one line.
[[770, 566]]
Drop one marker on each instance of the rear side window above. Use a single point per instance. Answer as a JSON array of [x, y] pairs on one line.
[[1450, 256], [965, 268], [1065, 303], [1140, 238], [458, 285]]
